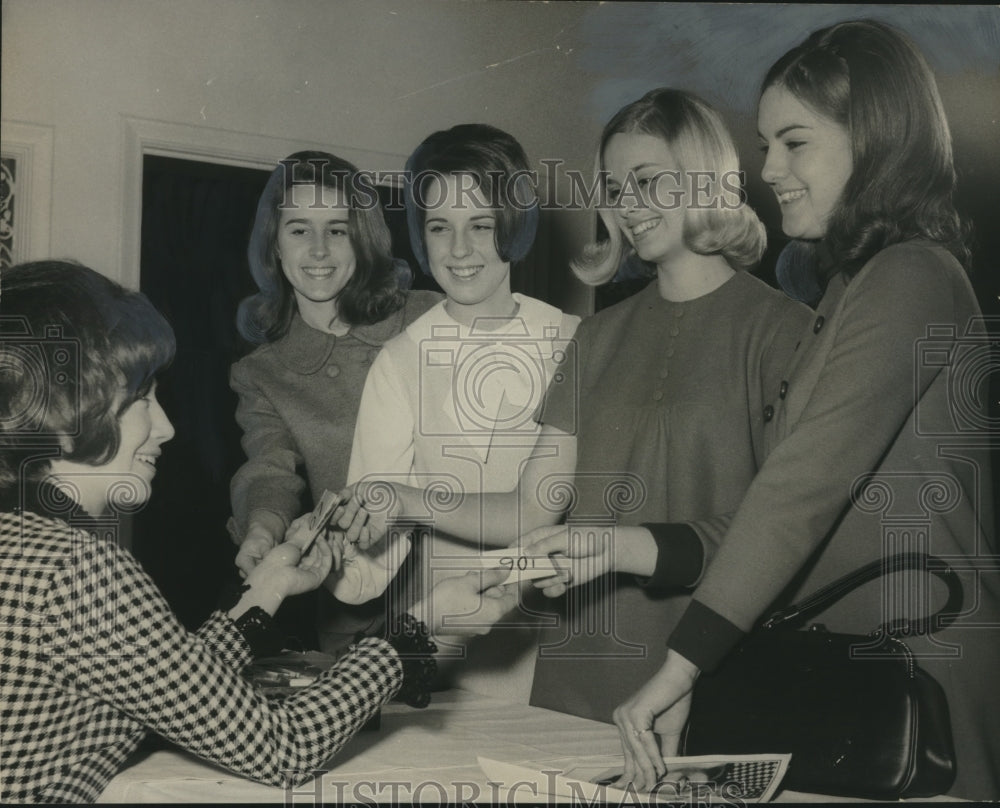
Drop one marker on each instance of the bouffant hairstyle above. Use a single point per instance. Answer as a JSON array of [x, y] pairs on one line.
[[371, 294], [498, 168], [701, 144]]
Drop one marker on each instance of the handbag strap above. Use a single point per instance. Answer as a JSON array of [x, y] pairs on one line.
[[834, 591]]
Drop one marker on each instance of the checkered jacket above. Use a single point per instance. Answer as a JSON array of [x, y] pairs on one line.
[[92, 658]]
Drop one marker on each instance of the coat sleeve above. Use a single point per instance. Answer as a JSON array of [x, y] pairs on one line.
[[863, 397], [270, 479], [117, 641], [383, 435]]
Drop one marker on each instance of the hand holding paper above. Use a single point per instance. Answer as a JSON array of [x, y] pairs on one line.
[[522, 567], [466, 604], [304, 532], [577, 554]]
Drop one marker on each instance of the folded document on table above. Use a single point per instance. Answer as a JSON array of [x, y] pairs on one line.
[[706, 778]]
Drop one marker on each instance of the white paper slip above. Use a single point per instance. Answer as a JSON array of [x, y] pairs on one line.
[[703, 780], [320, 516], [522, 567]]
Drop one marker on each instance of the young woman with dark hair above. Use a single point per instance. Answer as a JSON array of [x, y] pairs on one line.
[[365, 295], [472, 211], [448, 404], [93, 658]]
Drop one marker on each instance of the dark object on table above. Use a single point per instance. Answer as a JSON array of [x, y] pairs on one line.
[[287, 673], [289, 670], [858, 715]]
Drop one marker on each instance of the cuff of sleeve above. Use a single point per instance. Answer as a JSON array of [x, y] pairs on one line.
[[266, 495], [704, 636], [272, 522], [235, 534], [219, 632], [680, 556]]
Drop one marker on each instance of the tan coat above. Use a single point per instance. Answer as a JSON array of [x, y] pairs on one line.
[[298, 403]]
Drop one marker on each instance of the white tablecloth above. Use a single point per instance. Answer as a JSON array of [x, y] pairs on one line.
[[427, 755], [416, 756]]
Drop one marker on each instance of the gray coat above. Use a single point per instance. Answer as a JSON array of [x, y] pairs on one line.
[[298, 402], [878, 444]]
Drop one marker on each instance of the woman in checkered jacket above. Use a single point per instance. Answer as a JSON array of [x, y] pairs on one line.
[[92, 657]]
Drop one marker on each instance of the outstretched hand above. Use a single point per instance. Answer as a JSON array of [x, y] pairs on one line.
[[255, 545], [468, 604], [579, 553], [357, 517], [361, 576], [285, 571]]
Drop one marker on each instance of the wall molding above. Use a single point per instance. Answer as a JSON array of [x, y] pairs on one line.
[[142, 136], [32, 146]]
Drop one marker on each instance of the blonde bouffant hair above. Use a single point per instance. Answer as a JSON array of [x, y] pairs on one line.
[[698, 139]]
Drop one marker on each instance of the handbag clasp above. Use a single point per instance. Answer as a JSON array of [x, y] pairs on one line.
[[780, 616]]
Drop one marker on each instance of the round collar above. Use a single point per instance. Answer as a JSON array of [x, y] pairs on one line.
[[306, 350]]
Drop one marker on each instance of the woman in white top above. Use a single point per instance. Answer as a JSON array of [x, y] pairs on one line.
[[455, 393], [448, 405]]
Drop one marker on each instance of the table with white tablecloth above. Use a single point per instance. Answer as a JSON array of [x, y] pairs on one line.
[[427, 755]]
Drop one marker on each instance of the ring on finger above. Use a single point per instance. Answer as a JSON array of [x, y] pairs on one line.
[[640, 732]]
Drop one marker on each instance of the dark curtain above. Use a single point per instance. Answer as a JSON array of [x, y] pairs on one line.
[[196, 221]]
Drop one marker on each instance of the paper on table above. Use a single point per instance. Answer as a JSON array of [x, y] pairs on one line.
[[707, 778], [522, 567]]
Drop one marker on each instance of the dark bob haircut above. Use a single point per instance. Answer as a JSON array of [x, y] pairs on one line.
[[499, 169], [76, 350], [871, 79], [371, 294]]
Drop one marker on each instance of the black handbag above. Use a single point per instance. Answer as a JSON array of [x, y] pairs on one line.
[[858, 715]]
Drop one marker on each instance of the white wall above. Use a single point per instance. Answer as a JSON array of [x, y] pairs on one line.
[[370, 78], [367, 77]]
